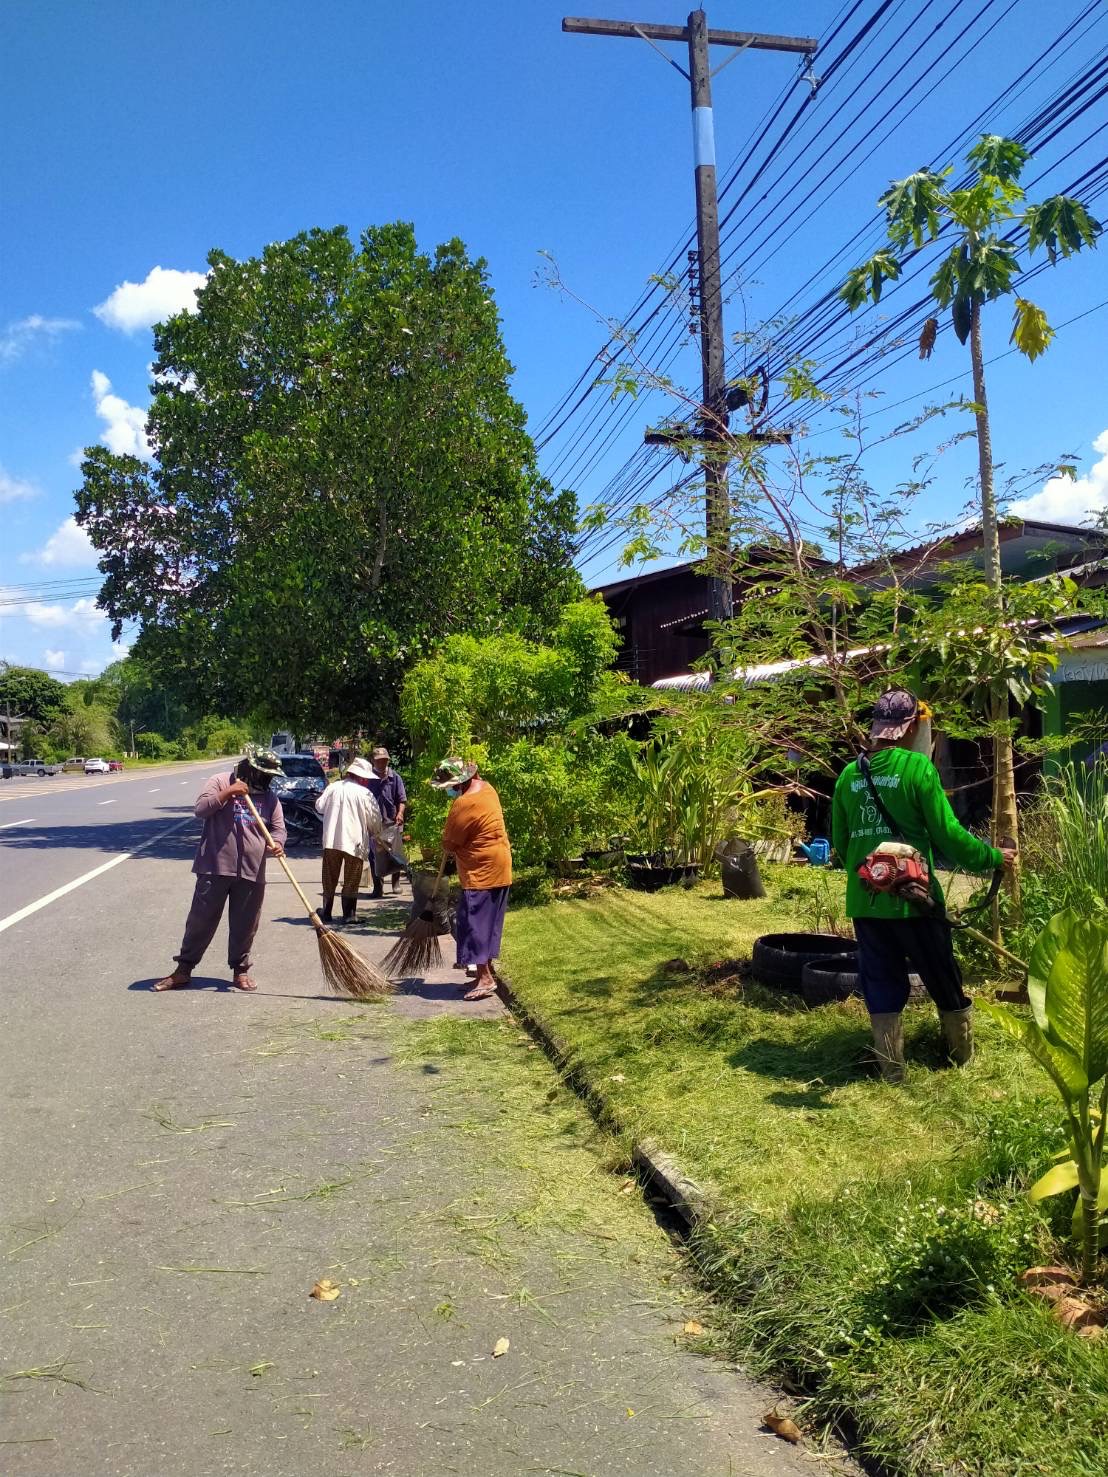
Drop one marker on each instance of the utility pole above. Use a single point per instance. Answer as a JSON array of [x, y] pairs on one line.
[[714, 413]]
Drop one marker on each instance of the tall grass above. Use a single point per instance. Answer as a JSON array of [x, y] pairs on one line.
[[1075, 866]]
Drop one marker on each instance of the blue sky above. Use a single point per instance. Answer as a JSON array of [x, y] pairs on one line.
[[138, 136]]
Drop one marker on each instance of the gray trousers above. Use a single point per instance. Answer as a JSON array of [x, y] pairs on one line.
[[243, 900]]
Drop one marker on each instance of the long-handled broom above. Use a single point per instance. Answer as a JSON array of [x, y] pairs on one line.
[[344, 969], [417, 949]]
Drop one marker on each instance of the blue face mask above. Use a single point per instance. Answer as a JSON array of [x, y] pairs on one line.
[[453, 792]]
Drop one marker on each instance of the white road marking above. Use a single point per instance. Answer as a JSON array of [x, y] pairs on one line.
[[154, 791], [106, 802], [60, 892], [8, 824]]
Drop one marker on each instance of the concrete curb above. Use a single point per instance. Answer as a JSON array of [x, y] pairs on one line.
[[687, 1199]]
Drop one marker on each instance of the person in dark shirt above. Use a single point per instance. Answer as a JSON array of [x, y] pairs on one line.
[[387, 788], [230, 866]]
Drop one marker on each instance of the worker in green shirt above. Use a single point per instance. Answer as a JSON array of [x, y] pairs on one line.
[[894, 935]]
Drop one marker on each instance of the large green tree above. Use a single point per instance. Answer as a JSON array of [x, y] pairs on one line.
[[984, 220], [340, 478], [29, 693]]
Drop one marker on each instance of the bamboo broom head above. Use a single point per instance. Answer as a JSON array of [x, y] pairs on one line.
[[415, 951], [345, 971]]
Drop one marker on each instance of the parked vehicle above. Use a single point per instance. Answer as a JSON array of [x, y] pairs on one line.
[[97, 766], [115, 765], [303, 822], [283, 743], [76, 766], [304, 775], [39, 767]]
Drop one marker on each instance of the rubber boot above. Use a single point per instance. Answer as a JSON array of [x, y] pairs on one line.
[[958, 1034], [326, 913], [349, 909], [888, 1044], [378, 887]]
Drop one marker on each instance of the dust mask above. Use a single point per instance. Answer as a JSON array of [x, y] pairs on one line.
[[921, 741]]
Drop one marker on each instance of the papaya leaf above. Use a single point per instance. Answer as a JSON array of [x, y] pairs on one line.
[[1031, 333]]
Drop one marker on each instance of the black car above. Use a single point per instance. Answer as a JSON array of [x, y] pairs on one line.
[[303, 776]]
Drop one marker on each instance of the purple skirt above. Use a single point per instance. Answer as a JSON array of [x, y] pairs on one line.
[[480, 923]]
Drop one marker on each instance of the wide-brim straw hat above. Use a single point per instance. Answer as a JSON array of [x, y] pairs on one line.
[[452, 771]]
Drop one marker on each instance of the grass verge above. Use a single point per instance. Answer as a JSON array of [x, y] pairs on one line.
[[868, 1238]]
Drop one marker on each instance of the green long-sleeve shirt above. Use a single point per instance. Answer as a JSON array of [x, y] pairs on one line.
[[912, 793]]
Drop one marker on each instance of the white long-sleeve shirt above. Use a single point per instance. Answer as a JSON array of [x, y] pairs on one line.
[[351, 818]]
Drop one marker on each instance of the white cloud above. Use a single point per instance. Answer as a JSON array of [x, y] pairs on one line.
[[81, 615], [54, 661], [136, 305], [91, 667], [1071, 500], [124, 430], [14, 488], [21, 335], [67, 547]]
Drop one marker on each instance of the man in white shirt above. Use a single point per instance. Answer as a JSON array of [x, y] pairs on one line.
[[351, 823]]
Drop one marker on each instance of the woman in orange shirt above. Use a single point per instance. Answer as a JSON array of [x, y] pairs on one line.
[[476, 838]]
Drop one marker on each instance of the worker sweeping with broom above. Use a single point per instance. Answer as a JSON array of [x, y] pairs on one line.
[[476, 837], [230, 865]]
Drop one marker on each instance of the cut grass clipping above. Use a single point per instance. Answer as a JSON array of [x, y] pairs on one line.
[[868, 1239]]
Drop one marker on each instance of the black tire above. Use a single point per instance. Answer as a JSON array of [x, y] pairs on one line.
[[778, 959], [825, 980], [836, 978]]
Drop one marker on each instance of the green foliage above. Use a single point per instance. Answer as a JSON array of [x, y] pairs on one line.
[[31, 694], [1067, 1035], [526, 713], [696, 781], [85, 728], [341, 476], [153, 746]]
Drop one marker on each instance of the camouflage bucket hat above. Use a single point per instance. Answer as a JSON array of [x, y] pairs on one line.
[[452, 771], [265, 761]]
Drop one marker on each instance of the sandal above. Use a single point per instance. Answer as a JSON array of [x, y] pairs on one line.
[[480, 992], [244, 982], [173, 981]]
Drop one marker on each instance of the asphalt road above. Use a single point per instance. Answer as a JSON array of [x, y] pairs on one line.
[[178, 1170]]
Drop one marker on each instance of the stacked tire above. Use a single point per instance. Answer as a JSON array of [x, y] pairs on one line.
[[819, 967], [778, 959]]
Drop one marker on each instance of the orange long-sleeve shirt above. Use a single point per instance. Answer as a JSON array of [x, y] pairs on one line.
[[476, 837]]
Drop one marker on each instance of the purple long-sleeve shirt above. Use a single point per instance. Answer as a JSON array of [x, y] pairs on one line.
[[231, 845]]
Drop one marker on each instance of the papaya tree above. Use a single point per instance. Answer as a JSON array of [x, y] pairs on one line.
[[985, 220]]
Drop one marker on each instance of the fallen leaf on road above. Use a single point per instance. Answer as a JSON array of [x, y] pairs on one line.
[[325, 1291], [693, 1329], [500, 1347], [781, 1426]]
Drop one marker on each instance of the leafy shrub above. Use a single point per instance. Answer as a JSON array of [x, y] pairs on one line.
[[944, 1257], [153, 746], [527, 714]]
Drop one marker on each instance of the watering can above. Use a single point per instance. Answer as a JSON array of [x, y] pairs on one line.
[[818, 851]]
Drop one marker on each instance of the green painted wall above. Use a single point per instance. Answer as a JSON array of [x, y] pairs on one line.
[[1069, 704]]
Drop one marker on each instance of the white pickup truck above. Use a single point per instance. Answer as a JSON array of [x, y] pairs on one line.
[[41, 767]]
